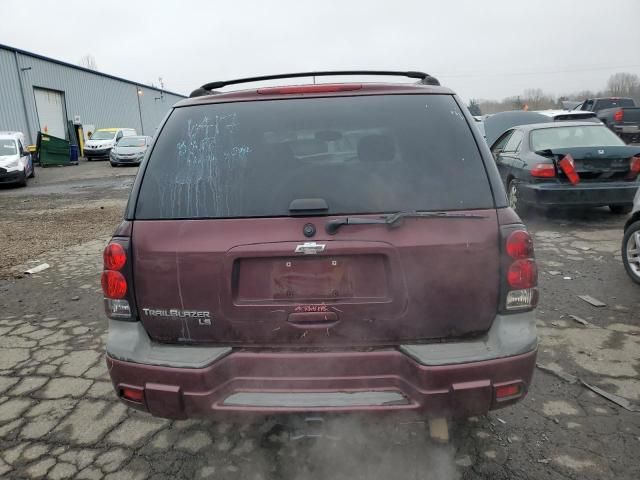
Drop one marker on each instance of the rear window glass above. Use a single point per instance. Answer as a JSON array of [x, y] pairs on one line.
[[614, 102], [361, 154], [567, 137], [132, 142]]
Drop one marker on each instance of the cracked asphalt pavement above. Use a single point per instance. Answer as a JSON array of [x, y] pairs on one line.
[[59, 417]]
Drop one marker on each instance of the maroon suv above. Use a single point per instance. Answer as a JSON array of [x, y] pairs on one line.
[[320, 248]]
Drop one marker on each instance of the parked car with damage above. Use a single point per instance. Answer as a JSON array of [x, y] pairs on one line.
[[323, 248], [620, 114], [129, 151], [566, 164], [16, 163]]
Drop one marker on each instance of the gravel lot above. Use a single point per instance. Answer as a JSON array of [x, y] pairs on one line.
[[60, 207], [59, 417]]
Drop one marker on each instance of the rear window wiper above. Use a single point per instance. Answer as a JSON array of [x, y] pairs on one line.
[[394, 220]]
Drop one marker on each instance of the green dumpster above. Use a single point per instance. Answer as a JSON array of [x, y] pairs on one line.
[[53, 150]]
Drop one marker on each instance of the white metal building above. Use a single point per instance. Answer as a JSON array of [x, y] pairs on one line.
[[40, 93]]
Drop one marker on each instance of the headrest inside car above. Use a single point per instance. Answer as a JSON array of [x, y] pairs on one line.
[[376, 148]]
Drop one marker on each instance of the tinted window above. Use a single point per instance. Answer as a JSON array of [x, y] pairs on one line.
[[132, 142], [566, 137], [588, 105], [362, 154], [613, 102], [514, 142], [499, 145]]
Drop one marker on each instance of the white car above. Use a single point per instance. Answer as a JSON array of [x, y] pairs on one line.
[[16, 164], [103, 140], [570, 115]]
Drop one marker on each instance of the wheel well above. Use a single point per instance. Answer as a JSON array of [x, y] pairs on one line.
[[632, 219]]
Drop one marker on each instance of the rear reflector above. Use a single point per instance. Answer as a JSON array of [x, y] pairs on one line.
[[519, 245], [322, 88], [522, 274], [567, 165], [543, 170], [618, 116], [114, 257], [132, 394], [115, 308], [114, 284], [634, 167], [522, 299], [504, 392]]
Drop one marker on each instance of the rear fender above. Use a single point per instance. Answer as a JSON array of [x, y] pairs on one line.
[[632, 219]]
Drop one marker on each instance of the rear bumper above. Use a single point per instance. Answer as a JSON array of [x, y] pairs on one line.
[[413, 380], [125, 161], [632, 129], [582, 194]]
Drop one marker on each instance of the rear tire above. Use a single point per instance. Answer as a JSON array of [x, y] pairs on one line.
[[620, 209], [514, 197], [630, 251]]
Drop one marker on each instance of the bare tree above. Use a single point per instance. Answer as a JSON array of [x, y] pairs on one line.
[[619, 85], [88, 61], [623, 84], [536, 99], [474, 107]]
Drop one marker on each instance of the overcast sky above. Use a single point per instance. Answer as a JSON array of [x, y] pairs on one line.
[[480, 48]]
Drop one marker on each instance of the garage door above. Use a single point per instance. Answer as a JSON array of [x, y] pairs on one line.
[[50, 106]]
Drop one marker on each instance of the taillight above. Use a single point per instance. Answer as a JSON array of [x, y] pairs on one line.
[[114, 285], [114, 257], [567, 165], [519, 244], [118, 298], [543, 170], [522, 274], [634, 167], [618, 116], [519, 270]]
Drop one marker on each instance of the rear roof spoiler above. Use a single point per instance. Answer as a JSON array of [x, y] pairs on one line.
[[208, 88]]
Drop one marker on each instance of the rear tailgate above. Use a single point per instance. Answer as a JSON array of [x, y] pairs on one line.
[[219, 233], [430, 278], [631, 116]]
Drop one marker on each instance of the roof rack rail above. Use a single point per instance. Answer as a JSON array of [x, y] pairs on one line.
[[424, 78]]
